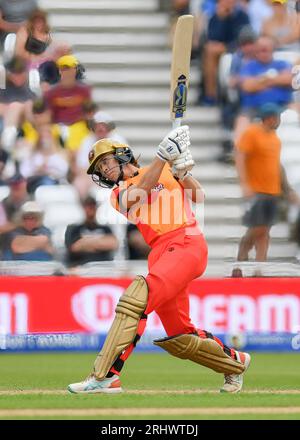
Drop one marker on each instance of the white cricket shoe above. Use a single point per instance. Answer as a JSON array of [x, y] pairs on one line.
[[233, 383], [92, 385]]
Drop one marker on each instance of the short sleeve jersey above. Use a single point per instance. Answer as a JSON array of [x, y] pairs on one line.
[[262, 149]]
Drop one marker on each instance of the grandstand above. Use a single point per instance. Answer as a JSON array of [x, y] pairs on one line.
[[124, 47]]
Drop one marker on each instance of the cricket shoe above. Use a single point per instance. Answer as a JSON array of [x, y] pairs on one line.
[[92, 385], [233, 383]]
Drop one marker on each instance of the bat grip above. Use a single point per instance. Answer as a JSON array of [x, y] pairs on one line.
[[176, 123]]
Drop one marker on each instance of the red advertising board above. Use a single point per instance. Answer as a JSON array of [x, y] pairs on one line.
[[71, 304]]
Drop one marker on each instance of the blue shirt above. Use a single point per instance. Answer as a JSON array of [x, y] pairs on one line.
[[36, 255], [226, 30], [279, 95]]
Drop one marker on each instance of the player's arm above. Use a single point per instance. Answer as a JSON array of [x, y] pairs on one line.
[[139, 192], [193, 188], [169, 149]]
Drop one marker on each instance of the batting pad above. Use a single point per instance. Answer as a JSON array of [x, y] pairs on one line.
[[206, 352], [129, 310]]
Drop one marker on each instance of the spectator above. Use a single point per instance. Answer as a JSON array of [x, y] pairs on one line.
[[89, 241], [10, 205], [259, 169], [13, 15], [283, 26], [137, 248], [34, 38], [263, 80], [223, 30], [230, 97], [41, 117], [15, 101], [66, 100], [102, 126], [31, 241], [47, 164]]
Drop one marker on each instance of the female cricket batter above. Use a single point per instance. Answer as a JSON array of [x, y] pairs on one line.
[[155, 198]]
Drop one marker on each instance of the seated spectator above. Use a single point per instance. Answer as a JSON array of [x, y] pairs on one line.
[[230, 97], [89, 241], [263, 80], [15, 101], [34, 38], [13, 15], [41, 117], [66, 100], [34, 43], [137, 248], [10, 205], [223, 30], [31, 241], [283, 26], [102, 126], [47, 164]]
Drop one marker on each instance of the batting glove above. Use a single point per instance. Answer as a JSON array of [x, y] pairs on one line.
[[182, 165], [175, 143]]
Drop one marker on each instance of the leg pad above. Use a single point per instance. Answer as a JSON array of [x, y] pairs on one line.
[[124, 327], [206, 352]]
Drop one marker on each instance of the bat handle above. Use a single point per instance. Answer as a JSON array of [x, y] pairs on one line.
[[176, 123]]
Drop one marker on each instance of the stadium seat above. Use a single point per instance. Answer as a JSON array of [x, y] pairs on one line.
[[34, 81], [58, 214], [56, 194], [9, 47], [4, 191]]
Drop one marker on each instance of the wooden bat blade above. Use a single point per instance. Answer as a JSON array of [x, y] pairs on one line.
[[180, 67]]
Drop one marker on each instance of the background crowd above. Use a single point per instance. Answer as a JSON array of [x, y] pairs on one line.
[[49, 121]]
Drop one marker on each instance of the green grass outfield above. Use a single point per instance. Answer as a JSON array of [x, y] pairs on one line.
[[157, 386]]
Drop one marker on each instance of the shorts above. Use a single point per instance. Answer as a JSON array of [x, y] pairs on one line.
[[261, 210]]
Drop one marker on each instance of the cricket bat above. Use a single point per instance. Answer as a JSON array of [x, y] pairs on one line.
[[180, 67]]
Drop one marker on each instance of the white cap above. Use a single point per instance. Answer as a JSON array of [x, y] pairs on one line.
[[31, 208], [103, 117]]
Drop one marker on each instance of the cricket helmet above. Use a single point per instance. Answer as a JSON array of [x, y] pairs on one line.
[[121, 152]]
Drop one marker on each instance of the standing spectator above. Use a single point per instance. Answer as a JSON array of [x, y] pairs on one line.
[[259, 169], [102, 126], [89, 241], [66, 100], [13, 15], [31, 241], [283, 26], [223, 30], [10, 205], [263, 80], [15, 101]]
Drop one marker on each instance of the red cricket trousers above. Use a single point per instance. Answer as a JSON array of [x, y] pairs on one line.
[[175, 260]]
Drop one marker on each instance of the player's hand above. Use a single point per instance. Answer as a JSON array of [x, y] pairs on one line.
[[182, 165], [175, 143]]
